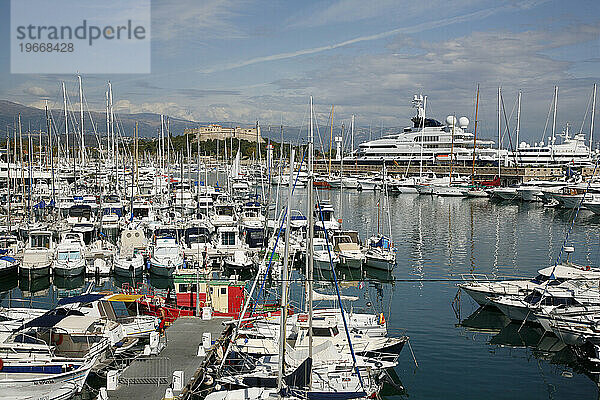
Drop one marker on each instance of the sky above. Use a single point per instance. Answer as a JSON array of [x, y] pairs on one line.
[[246, 60]]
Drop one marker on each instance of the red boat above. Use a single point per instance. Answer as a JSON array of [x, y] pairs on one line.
[[494, 182], [220, 298]]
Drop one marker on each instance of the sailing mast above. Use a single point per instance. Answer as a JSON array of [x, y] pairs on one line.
[[82, 157], [66, 121], [452, 148], [49, 127], [554, 122], [309, 241], [284, 281], [330, 138], [499, 128], [592, 120], [475, 136], [8, 217], [518, 125], [421, 101]]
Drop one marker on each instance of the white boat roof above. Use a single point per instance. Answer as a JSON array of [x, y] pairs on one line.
[[570, 272]]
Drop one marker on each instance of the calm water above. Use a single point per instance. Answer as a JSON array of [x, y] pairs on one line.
[[439, 239]]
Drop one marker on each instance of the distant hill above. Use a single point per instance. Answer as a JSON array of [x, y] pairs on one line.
[[149, 124]]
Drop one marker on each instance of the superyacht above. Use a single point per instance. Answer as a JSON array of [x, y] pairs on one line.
[[431, 141]]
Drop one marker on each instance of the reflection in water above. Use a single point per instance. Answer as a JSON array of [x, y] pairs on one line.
[[69, 283], [35, 287], [544, 346]]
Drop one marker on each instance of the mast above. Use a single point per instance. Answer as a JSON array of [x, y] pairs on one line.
[[421, 107], [66, 121], [137, 137], [330, 138], [284, 280], [352, 135], [49, 128], [554, 122], [518, 124], [21, 159], [309, 250], [81, 115], [108, 141], [114, 154], [452, 147], [474, 136], [499, 128], [8, 216], [592, 120]]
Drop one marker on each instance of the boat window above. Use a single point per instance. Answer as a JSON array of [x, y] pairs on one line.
[[120, 309], [228, 238], [223, 290], [140, 212], [539, 279], [40, 241], [68, 255], [323, 332], [533, 298]]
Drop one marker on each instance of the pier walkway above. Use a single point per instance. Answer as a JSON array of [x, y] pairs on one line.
[[148, 378]]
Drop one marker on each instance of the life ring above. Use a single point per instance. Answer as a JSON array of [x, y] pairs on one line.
[[60, 338], [587, 268], [381, 319], [1, 364]]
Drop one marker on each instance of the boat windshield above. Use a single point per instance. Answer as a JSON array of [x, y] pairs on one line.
[[543, 278], [140, 212], [40, 241], [69, 255]]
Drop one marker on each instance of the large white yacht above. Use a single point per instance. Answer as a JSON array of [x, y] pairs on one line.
[[570, 150], [431, 141]]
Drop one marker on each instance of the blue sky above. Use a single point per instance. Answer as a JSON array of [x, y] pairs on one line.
[[245, 60]]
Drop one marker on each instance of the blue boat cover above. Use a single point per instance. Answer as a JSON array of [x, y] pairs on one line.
[[84, 298]]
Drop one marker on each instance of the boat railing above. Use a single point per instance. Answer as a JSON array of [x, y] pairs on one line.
[[147, 370], [472, 277]]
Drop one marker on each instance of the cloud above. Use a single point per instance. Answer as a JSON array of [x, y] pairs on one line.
[[198, 20], [36, 91], [379, 86], [366, 38]]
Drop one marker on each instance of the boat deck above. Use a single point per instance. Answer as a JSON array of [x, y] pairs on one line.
[[183, 339]]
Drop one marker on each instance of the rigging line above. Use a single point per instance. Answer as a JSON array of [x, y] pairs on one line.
[[337, 290], [589, 104], [276, 239]]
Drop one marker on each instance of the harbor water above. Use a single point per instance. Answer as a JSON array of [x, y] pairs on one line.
[[438, 240]]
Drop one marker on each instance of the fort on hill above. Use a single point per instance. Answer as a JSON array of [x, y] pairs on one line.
[[218, 132]]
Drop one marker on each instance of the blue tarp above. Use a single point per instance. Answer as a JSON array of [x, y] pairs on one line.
[[84, 298], [7, 258], [41, 204]]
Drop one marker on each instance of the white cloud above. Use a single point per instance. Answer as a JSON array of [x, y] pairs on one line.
[[420, 27], [193, 19], [36, 91]]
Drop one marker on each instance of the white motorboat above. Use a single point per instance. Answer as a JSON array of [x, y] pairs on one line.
[[130, 259], [323, 253], [481, 288], [380, 253], [167, 255], [69, 260], [38, 254], [348, 249]]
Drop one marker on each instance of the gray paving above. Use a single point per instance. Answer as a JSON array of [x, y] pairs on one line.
[[183, 339]]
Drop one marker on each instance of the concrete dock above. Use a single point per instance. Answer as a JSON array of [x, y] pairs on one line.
[[149, 376]]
